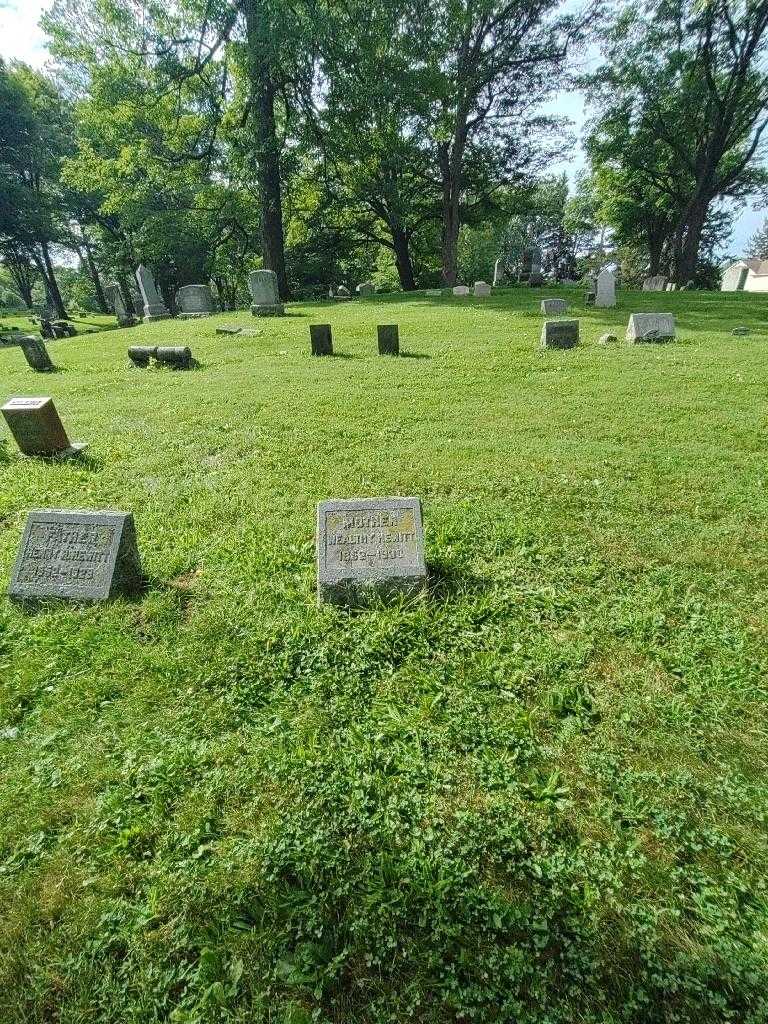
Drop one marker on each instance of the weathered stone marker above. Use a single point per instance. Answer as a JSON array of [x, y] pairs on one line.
[[551, 307], [605, 290], [589, 298], [77, 555], [482, 290], [266, 298], [560, 334], [650, 327], [36, 354], [657, 283], [369, 546], [194, 301], [389, 339], [115, 297], [321, 339], [37, 428], [154, 307], [461, 290], [177, 357], [141, 354], [365, 289]]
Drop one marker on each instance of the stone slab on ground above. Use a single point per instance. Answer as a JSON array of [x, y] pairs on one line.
[[369, 547], [78, 555]]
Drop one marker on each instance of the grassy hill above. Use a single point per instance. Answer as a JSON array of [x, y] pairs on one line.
[[537, 796]]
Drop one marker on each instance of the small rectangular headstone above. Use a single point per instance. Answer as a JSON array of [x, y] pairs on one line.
[[552, 307], [77, 555], [321, 339], [560, 334], [389, 340], [369, 546], [482, 290], [461, 290], [650, 327], [434, 293], [365, 289], [36, 354], [37, 427]]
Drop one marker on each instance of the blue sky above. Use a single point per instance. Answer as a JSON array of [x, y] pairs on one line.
[[21, 38]]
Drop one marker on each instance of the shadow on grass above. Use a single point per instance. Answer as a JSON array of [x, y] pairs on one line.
[[414, 355]]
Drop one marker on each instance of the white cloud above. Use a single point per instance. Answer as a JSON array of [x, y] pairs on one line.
[[20, 36]]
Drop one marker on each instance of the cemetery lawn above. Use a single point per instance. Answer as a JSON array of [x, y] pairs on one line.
[[84, 323], [538, 796]]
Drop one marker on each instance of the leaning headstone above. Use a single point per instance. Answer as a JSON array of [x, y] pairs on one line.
[[76, 555], [36, 354], [651, 327], [461, 290], [154, 307], [560, 334], [482, 290], [552, 307], [194, 301], [321, 339], [37, 428], [140, 355], [264, 293], [115, 298], [389, 340], [605, 290], [177, 357], [365, 289], [369, 547]]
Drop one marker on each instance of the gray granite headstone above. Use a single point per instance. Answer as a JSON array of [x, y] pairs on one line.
[[605, 290], [560, 334], [365, 289], [154, 307], [369, 546], [321, 339], [461, 290], [194, 300], [262, 285], [499, 274], [482, 290], [37, 428], [115, 298], [36, 354], [551, 307], [657, 283], [651, 327], [389, 340], [77, 555]]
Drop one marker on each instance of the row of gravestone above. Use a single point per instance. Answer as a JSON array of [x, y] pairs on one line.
[[659, 283], [642, 327]]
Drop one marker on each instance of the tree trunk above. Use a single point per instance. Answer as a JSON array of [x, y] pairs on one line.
[[403, 259], [687, 256], [51, 285], [125, 291], [101, 298], [267, 150], [450, 216]]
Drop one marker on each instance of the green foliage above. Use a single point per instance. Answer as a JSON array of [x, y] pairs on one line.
[[538, 796]]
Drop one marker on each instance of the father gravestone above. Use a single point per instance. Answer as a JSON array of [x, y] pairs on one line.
[[264, 292], [368, 546], [78, 555], [154, 307], [37, 428], [560, 334]]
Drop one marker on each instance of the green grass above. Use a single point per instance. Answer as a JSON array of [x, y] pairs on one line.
[[537, 796], [84, 323]]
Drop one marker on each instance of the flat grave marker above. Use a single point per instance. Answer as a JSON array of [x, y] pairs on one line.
[[78, 555], [367, 547]]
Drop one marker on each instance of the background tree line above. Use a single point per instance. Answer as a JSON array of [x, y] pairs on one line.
[[402, 140]]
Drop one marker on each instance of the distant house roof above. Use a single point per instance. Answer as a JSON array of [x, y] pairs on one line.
[[758, 267]]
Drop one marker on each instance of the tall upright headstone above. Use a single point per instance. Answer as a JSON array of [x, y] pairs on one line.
[[37, 428], [262, 285], [605, 289], [76, 555], [367, 547], [154, 307], [499, 274]]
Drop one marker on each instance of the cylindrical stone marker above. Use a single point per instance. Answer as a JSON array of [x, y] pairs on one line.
[[141, 354], [177, 358], [389, 340], [321, 339]]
